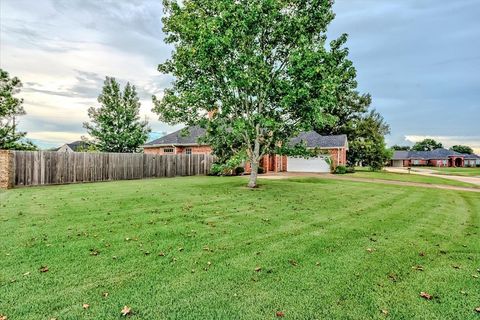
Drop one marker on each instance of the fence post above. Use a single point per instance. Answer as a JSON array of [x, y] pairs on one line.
[[7, 174]]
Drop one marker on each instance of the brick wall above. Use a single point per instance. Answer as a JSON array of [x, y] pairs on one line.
[[338, 156], [6, 169]]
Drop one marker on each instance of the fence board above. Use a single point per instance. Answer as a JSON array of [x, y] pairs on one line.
[[49, 167]]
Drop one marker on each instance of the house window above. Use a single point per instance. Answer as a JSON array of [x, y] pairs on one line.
[[416, 162], [188, 151], [167, 150]]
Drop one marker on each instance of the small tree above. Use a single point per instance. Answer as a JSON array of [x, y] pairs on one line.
[[263, 67], [10, 108], [462, 149], [116, 125], [427, 145], [368, 146]]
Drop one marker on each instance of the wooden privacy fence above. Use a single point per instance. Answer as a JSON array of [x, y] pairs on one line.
[[33, 168]]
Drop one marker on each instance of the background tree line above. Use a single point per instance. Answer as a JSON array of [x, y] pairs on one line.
[[431, 144]]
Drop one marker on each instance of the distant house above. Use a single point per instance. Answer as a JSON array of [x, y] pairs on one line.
[[437, 158], [76, 146], [335, 147]]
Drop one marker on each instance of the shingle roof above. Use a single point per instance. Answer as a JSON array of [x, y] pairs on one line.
[[177, 137], [316, 140], [472, 156], [311, 138], [400, 155], [76, 145], [440, 153]]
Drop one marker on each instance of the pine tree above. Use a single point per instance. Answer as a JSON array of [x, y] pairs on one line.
[[116, 126]]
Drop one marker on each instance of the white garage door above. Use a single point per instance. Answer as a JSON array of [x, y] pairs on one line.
[[318, 164], [398, 163]]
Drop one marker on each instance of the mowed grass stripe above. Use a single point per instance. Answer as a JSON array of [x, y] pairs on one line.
[[306, 221]]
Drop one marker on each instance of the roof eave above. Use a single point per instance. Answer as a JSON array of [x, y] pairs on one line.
[[172, 145]]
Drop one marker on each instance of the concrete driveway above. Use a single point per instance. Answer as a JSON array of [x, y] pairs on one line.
[[433, 173]]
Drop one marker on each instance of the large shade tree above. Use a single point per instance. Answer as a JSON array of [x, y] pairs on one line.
[[11, 107], [116, 125], [263, 67]]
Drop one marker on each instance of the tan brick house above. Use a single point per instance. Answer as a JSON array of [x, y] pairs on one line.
[[333, 149]]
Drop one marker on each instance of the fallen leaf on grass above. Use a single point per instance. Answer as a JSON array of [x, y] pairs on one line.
[[258, 269], [475, 276], [94, 252], [293, 262], [456, 267], [421, 254], [477, 309], [43, 269], [126, 311], [105, 294], [26, 273], [3, 317], [279, 314], [370, 250], [425, 295], [161, 254], [85, 306], [384, 312], [418, 268]]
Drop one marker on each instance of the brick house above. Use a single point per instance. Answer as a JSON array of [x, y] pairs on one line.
[[333, 147], [437, 158]]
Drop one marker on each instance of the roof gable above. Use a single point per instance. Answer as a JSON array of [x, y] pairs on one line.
[[178, 138], [313, 139]]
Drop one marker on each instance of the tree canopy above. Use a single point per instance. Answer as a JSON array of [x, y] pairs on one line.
[[116, 126], [462, 149], [11, 107], [427, 145], [263, 67], [367, 143], [397, 147]]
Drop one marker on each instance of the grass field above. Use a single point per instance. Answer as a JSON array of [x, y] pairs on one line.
[[472, 172], [406, 177], [208, 248]]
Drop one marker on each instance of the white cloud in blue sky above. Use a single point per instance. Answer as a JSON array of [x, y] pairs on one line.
[[420, 60]]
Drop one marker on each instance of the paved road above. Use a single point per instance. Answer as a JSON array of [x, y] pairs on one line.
[[286, 175], [433, 173]]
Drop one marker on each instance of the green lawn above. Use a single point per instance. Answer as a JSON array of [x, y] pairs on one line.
[[407, 177], [472, 172], [188, 248]]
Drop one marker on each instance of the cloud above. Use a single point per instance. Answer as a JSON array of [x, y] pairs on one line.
[[418, 59]]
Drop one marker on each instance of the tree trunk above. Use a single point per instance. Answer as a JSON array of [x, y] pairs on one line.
[[254, 160], [252, 183]]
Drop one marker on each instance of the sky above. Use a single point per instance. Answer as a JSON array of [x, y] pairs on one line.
[[419, 59]]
